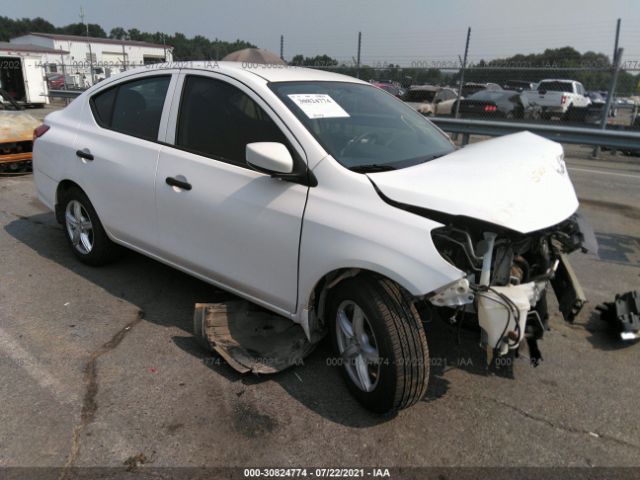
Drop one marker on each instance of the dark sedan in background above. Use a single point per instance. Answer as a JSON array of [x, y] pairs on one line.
[[507, 104]]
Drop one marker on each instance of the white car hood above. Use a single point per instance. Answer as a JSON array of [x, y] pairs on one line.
[[518, 181]]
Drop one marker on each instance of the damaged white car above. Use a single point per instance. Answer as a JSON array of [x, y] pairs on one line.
[[322, 199]]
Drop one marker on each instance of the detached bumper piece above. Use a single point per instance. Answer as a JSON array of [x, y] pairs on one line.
[[250, 338], [623, 315], [571, 297]]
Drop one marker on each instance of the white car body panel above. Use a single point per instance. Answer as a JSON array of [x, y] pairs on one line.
[[348, 225], [272, 241], [518, 181]]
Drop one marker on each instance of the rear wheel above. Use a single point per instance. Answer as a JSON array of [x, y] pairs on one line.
[[84, 231], [570, 114], [380, 343]]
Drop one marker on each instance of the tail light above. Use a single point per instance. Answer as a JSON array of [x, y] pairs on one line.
[[490, 108], [563, 99], [41, 130]]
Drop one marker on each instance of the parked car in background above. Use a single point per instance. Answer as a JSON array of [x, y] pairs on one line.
[[16, 135], [431, 100], [283, 185], [55, 81], [596, 98], [470, 88], [519, 85], [507, 104], [559, 98], [392, 88]]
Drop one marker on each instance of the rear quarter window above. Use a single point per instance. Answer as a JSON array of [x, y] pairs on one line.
[[103, 106]]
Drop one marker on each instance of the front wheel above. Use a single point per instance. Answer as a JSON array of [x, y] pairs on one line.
[[379, 341]]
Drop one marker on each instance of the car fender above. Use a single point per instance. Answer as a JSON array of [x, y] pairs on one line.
[[347, 225]]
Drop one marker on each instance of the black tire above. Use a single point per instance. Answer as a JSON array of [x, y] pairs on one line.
[[570, 115], [399, 336], [103, 250]]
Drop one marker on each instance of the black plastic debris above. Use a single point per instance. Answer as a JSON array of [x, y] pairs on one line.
[[623, 315]]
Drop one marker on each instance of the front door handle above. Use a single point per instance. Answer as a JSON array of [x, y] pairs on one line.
[[174, 182], [84, 154]]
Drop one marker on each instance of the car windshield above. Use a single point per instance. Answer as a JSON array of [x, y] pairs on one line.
[[491, 95], [388, 88], [471, 89], [361, 126]]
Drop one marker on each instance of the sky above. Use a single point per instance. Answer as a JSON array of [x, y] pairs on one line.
[[411, 32]]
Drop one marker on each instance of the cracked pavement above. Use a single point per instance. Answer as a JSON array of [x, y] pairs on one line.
[[100, 368]]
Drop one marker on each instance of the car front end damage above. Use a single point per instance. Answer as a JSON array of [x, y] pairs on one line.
[[506, 278], [507, 219]]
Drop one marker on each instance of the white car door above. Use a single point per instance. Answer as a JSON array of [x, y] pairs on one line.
[[117, 152], [218, 218]]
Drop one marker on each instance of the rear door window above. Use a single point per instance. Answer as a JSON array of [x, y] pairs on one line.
[[133, 108]]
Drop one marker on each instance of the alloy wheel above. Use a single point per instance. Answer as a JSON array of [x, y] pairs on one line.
[[357, 345], [79, 227]]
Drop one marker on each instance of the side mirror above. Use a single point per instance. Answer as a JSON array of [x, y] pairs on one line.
[[269, 157]]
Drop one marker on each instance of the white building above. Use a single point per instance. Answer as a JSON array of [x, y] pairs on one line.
[[90, 59]]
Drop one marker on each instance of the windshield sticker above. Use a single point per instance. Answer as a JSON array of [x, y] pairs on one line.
[[318, 105]]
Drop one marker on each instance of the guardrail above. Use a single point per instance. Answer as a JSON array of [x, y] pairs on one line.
[[615, 139], [64, 93]]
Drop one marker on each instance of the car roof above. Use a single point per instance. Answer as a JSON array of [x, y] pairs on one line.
[[270, 73]]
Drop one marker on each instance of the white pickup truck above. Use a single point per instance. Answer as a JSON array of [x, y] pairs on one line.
[[558, 97]]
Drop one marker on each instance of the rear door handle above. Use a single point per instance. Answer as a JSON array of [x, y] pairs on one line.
[[174, 182], [84, 154]]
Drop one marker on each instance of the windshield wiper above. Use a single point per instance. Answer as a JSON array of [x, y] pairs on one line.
[[375, 167]]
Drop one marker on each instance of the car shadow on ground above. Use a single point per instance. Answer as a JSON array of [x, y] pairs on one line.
[[167, 297]]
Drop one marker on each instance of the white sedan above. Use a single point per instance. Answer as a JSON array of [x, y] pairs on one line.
[[321, 198]]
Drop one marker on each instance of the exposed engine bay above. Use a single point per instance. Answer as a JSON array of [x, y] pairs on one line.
[[507, 277]]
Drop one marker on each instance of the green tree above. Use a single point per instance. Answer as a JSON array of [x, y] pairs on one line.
[[119, 33]]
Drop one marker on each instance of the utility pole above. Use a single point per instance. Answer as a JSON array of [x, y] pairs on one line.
[[464, 65], [612, 85], [282, 47], [615, 45], [93, 80], [124, 58], [358, 57], [64, 71]]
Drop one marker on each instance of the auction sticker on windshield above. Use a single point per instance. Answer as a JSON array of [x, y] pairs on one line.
[[318, 105]]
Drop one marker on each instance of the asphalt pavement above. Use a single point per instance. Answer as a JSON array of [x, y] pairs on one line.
[[99, 367]]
